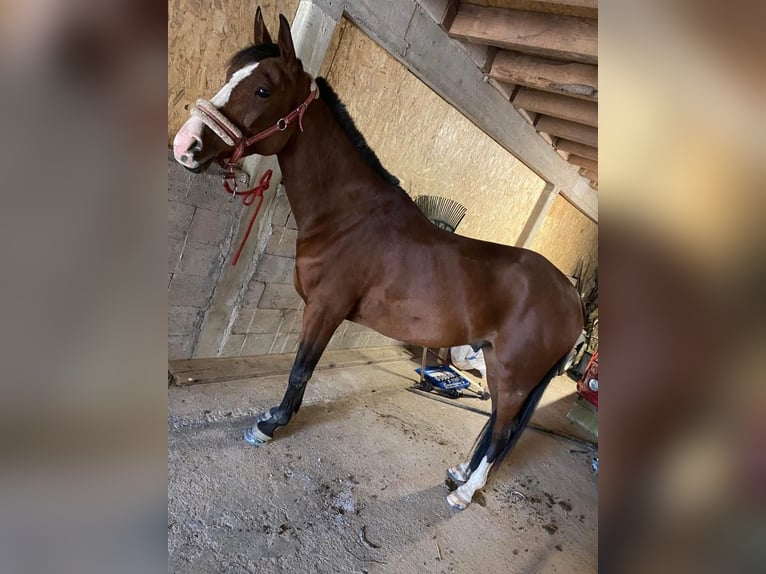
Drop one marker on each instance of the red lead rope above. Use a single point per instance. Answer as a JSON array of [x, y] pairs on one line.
[[248, 197]]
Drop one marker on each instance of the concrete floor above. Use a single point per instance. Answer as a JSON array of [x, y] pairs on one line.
[[356, 483]]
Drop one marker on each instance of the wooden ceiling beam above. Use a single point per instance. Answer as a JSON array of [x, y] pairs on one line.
[[551, 35], [580, 161], [577, 149], [584, 8], [579, 133], [568, 79], [557, 106]]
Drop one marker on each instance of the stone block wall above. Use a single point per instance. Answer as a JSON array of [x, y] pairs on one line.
[[200, 225]]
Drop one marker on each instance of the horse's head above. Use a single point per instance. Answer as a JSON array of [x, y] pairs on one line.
[[264, 83]]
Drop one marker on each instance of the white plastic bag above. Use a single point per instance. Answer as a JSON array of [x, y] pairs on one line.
[[466, 359]]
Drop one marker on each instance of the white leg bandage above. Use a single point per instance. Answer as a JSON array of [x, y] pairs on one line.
[[461, 497]]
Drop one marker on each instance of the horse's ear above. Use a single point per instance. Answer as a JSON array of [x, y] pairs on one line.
[[286, 47], [260, 33]]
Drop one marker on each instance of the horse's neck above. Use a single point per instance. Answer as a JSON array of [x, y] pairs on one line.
[[325, 176]]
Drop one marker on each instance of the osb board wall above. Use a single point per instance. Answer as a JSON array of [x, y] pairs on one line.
[[567, 236], [427, 144], [202, 36]]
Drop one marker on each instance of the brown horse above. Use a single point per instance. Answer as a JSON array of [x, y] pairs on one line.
[[366, 253]]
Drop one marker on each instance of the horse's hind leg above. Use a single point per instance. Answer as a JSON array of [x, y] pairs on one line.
[[462, 472], [515, 393], [318, 327]]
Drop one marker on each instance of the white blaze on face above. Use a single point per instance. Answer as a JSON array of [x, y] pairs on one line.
[[222, 97], [190, 134]]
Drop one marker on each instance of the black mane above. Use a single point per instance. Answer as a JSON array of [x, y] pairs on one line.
[[341, 114], [253, 54]]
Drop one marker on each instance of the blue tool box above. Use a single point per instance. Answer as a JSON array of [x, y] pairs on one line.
[[444, 378]]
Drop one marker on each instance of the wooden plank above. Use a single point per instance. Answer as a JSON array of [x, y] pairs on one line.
[[575, 132], [568, 79], [558, 106], [577, 149], [197, 371], [584, 8], [552, 35], [591, 175], [583, 162]]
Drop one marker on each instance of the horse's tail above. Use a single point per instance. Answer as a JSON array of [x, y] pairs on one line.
[[520, 423]]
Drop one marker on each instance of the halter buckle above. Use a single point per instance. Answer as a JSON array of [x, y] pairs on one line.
[[282, 124]]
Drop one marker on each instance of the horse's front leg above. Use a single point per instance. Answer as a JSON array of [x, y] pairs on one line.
[[318, 327]]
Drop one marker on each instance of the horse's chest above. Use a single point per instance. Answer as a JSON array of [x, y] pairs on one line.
[[324, 268]]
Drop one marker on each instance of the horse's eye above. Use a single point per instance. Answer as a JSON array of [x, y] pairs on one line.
[[263, 92]]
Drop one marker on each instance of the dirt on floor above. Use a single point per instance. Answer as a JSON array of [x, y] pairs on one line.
[[356, 483]]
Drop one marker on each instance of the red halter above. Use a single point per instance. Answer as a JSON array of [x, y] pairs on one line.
[[210, 114], [230, 134]]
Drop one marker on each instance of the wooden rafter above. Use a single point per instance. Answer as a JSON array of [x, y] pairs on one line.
[[584, 8], [551, 35], [579, 133], [577, 149], [569, 79], [543, 56], [558, 106]]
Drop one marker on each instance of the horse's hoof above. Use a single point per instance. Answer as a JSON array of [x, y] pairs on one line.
[[454, 500], [255, 437], [456, 474]]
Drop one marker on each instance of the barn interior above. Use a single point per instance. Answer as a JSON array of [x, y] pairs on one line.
[[489, 103]]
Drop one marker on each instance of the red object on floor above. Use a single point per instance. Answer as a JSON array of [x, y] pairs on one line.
[[584, 384]]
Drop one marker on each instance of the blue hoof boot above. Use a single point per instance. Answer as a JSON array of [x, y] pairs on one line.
[[255, 437]]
